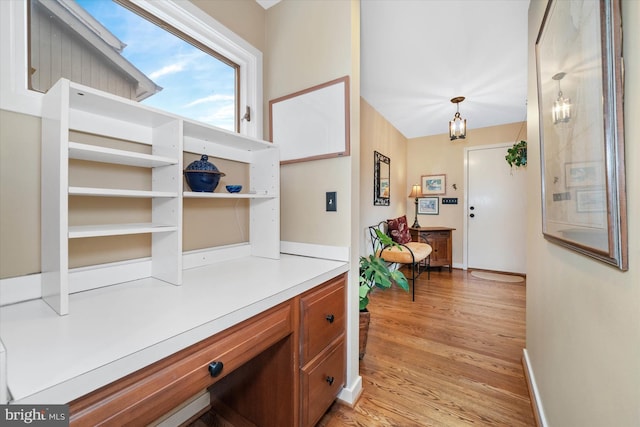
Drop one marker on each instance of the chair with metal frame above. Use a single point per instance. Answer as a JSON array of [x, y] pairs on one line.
[[410, 253]]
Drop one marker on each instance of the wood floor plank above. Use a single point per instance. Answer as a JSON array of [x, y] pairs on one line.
[[451, 358]]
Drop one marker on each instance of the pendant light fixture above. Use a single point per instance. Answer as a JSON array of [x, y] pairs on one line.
[[457, 126], [561, 111]]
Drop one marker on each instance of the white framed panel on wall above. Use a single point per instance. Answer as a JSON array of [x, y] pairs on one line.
[[312, 123]]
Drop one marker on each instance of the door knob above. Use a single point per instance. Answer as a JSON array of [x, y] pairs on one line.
[[330, 318], [472, 215], [471, 208]]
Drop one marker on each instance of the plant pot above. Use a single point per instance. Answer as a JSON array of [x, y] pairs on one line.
[[365, 318]]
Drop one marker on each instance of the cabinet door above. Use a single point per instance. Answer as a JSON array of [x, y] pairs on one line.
[[439, 242], [440, 249]]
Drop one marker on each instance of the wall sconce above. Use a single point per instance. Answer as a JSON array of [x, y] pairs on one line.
[[416, 191], [457, 126], [561, 111]]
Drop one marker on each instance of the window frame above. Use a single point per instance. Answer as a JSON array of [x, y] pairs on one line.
[[184, 16]]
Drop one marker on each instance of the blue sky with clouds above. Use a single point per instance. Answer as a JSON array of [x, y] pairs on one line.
[[195, 84]]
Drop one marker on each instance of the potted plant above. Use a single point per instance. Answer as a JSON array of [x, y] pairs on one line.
[[517, 155], [375, 273]]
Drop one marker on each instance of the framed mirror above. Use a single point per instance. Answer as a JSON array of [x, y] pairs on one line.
[[381, 179], [580, 90]]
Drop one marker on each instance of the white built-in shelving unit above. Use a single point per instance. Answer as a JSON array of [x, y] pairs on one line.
[[69, 107]]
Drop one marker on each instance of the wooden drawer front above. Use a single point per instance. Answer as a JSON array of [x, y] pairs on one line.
[[436, 234], [147, 394], [323, 317], [321, 382]]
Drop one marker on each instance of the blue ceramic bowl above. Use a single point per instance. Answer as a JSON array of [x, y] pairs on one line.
[[203, 181], [234, 188]]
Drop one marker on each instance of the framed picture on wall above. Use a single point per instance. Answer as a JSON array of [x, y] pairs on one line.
[[580, 91], [583, 174], [429, 205], [434, 184], [381, 179]]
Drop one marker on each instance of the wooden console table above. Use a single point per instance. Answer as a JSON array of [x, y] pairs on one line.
[[440, 240]]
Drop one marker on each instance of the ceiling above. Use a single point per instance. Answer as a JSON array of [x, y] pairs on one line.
[[418, 54]]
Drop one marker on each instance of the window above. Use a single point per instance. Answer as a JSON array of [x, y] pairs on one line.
[[227, 82]]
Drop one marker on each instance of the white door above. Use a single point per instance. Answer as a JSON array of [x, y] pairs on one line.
[[495, 207]]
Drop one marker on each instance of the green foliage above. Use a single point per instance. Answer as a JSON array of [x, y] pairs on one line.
[[374, 272], [517, 155]]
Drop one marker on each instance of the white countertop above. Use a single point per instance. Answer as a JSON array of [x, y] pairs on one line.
[[113, 331]]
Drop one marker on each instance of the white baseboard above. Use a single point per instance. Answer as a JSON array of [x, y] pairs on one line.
[[24, 288], [350, 394], [536, 401], [21, 288], [338, 253]]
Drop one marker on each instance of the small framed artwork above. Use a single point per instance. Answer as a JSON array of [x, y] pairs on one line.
[[590, 201], [583, 174], [428, 205], [434, 184]]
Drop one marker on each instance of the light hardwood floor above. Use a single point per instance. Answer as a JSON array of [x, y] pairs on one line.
[[451, 358]]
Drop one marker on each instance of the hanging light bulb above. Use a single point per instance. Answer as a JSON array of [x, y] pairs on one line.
[[457, 126], [561, 111]]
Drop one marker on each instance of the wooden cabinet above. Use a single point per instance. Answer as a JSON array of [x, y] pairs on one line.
[[440, 240], [322, 348], [282, 367]]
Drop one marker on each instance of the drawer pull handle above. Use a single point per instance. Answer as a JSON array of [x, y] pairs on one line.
[[330, 380], [330, 318], [215, 368]]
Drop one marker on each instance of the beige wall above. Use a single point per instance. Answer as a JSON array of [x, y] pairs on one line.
[[377, 134], [246, 18], [438, 155], [583, 317], [309, 43], [20, 194]]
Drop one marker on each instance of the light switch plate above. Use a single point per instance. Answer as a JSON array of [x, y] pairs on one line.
[[331, 203]]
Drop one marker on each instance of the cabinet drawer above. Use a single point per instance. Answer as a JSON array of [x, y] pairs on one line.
[[323, 317], [147, 394], [436, 234], [321, 381]]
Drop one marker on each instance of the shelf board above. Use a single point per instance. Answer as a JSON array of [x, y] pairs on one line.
[[80, 231], [197, 132], [120, 157], [205, 195], [114, 192], [102, 104]]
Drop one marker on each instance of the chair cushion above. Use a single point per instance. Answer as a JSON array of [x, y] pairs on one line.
[[403, 256], [399, 230]]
